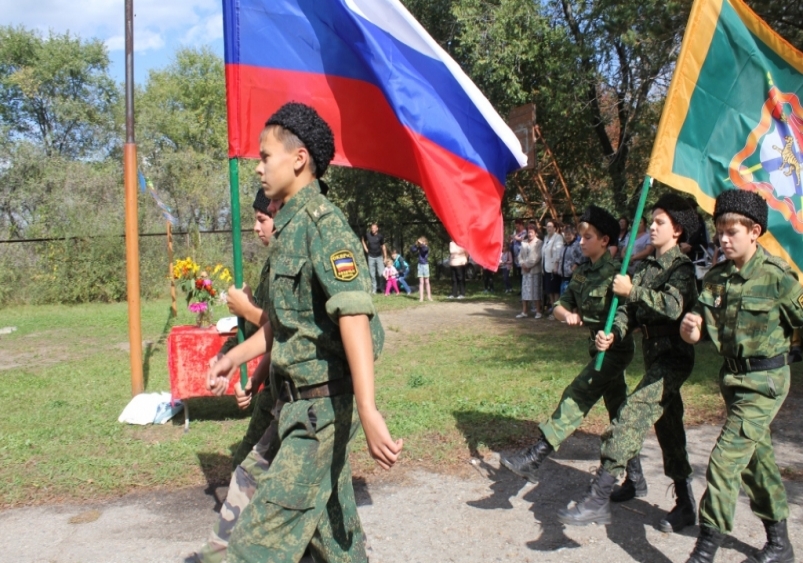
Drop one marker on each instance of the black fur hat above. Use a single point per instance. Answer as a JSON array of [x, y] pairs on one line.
[[682, 213], [603, 221], [261, 201], [314, 132], [749, 204]]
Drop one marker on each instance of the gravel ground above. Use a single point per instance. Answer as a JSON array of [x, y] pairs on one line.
[[421, 517]]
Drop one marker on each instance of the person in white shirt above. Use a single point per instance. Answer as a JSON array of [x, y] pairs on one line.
[[552, 256]]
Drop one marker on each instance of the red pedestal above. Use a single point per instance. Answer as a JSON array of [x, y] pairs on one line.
[[189, 350]]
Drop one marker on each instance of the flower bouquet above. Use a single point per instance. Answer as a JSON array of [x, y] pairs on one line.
[[200, 287]]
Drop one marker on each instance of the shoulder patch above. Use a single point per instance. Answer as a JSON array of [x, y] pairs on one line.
[[800, 299], [344, 266]]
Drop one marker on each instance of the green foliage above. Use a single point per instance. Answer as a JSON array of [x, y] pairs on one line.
[[56, 91], [182, 138]]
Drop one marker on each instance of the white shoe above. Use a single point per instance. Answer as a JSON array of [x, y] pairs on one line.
[[538, 316], [461, 296], [521, 316]]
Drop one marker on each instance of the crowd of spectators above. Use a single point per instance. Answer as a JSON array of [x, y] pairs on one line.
[[542, 259]]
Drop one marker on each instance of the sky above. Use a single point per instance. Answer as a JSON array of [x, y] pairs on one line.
[[160, 27]]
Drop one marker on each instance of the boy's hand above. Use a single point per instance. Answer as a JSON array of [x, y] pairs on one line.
[[380, 445], [603, 342], [215, 359], [691, 328], [216, 380], [243, 396], [622, 286], [573, 319], [239, 300]]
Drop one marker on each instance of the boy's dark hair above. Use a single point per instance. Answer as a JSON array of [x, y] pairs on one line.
[[303, 122]]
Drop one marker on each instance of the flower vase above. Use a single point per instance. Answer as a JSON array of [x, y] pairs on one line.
[[204, 319]]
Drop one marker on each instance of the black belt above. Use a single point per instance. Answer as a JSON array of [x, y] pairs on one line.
[[289, 393], [658, 331], [747, 365]]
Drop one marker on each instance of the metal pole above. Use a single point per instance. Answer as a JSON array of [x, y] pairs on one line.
[[131, 228], [236, 241], [645, 188]]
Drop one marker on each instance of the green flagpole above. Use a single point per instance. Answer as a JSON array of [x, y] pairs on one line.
[[645, 188], [236, 241]]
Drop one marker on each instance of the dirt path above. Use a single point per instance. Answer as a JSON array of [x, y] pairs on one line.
[[489, 516], [482, 515]]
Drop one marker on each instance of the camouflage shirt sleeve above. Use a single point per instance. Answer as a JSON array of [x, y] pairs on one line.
[[791, 301], [622, 321], [668, 302], [341, 268], [261, 301]]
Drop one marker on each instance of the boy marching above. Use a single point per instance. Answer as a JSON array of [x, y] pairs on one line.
[[662, 290], [749, 307], [585, 303], [326, 336]]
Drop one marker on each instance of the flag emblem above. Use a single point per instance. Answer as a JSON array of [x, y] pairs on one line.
[[770, 162], [344, 266]]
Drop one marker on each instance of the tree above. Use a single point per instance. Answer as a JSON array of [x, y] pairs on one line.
[[182, 135], [56, 92]]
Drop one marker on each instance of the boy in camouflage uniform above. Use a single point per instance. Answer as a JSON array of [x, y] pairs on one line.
[[584, 303], [749, 306], [325, 335], [242, 485], [663, 289]]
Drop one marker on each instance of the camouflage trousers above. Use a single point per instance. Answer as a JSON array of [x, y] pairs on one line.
[[584, 392], [305, 498], [261, 418], [743, 454], [655, 401], [242, 487]]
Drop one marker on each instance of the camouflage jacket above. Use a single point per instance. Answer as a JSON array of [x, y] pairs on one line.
[[318, 273], [261, 299], [751, 312], [589, 293], [664, 289]]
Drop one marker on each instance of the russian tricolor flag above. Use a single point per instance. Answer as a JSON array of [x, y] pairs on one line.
[[396, 101]]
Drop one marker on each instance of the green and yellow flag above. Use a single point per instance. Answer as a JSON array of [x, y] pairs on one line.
[[733, 119]]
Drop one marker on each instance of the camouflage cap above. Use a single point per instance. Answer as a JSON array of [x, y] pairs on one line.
[[749, 204], [603, 221], [261, 202], [682, 213], [305, 123]]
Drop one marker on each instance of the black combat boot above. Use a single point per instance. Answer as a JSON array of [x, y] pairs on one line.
[[707, 545], [526, 462], [635, 484], [685, 511], [595, 508], [777, 549]]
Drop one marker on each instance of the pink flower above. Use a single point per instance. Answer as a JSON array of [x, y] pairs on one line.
[[198, 307], [207, 283]]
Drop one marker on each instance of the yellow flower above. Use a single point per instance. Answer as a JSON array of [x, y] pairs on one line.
[[217, 269]]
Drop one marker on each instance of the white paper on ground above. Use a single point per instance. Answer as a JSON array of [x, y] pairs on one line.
[[150, 408]]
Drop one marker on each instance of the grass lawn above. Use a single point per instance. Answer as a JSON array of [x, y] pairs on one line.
[[450, 394]]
